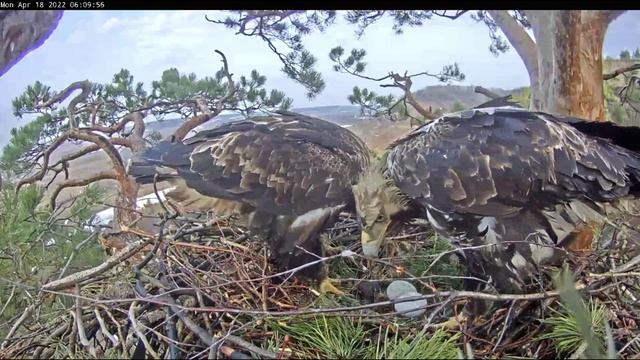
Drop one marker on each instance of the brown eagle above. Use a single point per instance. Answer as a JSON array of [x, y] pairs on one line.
[[290, 174], [512, 189]]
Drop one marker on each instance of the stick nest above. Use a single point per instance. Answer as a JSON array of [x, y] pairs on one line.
[[203, 287]]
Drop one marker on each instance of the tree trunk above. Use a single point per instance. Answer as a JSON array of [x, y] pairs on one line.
[[569, 45], [522, 43], [127, 201], [125, 204]]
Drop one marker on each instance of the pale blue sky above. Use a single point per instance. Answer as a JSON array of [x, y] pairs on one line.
[[95, 44]]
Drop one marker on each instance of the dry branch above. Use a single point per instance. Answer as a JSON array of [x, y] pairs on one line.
[[73, 279], [184, 129], [46, 155], [103, 175], [621, 71], [84, 86], [486, 92]]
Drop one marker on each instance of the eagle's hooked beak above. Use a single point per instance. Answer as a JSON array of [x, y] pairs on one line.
[[372, 238]]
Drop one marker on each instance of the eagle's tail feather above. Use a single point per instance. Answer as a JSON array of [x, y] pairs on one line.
[[146, 173], [623, 136], [157, 160]]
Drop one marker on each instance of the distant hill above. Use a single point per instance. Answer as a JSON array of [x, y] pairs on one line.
[[339, 114], [437, 96]]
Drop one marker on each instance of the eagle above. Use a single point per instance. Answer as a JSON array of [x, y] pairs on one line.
[[290, 175], [511, 189]]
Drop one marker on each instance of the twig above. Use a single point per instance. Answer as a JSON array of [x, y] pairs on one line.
[[139, 333], [453, 294], [298, 268], [73, 338], [74, 252], [160, 201], [81, 333], [27, 312], [121, 337], [628, 265], [504, 328], [78, 277], [104, 328], [54, 334], [635, 339], [435, 312], [13, 292], [170, 322], [207, 339], [486, 92], [620, 71], [477, 247], [613, 274]]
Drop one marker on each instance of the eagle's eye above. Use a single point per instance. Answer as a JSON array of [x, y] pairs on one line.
[[380, 218]]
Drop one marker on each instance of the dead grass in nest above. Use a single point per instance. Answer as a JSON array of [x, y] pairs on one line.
[[204, 287]]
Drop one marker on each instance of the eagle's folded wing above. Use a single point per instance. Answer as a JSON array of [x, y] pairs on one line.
[[495, 163]]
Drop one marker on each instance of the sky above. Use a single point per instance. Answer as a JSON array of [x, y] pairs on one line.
[[94, 45]]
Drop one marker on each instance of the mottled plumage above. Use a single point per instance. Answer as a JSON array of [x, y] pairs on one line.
[[291, 174], [528, 182]]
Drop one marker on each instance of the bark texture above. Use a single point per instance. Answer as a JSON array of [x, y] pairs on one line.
[[22, 31], [565, 60], [569, 47]]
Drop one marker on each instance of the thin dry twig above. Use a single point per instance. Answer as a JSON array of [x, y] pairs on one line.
[[196, 292], [136, 327], [78, 277]]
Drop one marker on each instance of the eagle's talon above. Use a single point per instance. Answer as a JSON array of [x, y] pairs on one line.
[[333, 250], [326, 286], [453, 323], [328, 248]]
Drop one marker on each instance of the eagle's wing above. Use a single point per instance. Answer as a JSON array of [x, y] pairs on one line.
[[283, 164], [493, 162], [497, 162], [492, 175]]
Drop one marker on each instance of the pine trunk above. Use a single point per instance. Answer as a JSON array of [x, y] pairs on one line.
[[569, 46]]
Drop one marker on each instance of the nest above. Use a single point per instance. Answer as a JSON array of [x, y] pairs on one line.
[[203, 287]]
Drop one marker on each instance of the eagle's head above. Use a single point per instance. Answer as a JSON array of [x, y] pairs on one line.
[[377, 201]]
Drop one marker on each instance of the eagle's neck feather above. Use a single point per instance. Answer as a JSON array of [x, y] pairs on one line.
[[375, 182]]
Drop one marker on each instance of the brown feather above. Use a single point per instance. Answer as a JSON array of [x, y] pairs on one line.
[[277, 167]]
